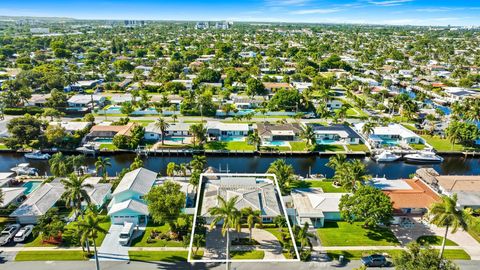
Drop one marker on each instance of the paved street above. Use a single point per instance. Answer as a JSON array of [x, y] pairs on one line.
[[464, 265]]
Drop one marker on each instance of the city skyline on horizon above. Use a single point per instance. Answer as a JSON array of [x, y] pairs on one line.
[[376, 12]]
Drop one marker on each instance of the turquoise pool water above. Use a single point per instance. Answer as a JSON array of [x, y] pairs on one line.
[[174, 139], [390, 142], [276, 143], [232, 139], [325, 141], [104, 140], [31, 186]]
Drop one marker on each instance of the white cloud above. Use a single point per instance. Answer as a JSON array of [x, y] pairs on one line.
[[316, 11], [389, 3], [287, 2]]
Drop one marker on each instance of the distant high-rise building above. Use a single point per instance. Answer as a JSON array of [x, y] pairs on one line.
[[201, 25], [222, 25], [133, 23], [39, 30]]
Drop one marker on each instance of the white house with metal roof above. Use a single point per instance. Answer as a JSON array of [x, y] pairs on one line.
[[222, 130], [127, 204], [11, 195]]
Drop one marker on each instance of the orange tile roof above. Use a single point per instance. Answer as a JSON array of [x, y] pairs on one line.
[[420, 196], [122, 130]]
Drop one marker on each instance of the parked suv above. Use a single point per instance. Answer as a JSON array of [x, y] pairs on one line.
[[374, 260], [8, 233], [23, 233]]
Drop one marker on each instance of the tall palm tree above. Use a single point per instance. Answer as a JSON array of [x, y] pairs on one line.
[[309, 136], [254, 138], [227, 213], [75, 193], [445, 214], [336, 161], [253, 217], [163, 126], [323, 111], [198, 132], [90, 227], [283, 172], [58, 164], [368, 128], [101, 165], [454, 131], [303, 236]]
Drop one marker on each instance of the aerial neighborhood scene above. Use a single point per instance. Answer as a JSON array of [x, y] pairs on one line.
[[248, 135]]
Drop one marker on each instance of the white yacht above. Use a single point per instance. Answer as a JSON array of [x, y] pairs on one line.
[[24, 169], [38, 155], [424, 157], [87, 149], [387, 156]]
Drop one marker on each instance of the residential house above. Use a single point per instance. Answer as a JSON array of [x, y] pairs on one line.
[[335, 134], [71, 127], [12, 196], [127, 204], [269, 132], [79, 102], [314, 206], [38, 203], [257, 192], [410, 197], [152, 132], [272, 87], [221, 130], [83, 85], [38, 100], [467, 187], [391, 135], [108, 131]]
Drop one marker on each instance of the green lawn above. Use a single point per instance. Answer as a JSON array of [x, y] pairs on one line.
[[247, 255], [417, 146], [231, 146], [358, 147], [346, 234], [298, 146], [356, 113], [142, 122], [442, 144], [144, 242], [164, 256], [329, 148], [434, 240], [452, 254], [326, 186], [108, 146], [42, 255], [3, 147]]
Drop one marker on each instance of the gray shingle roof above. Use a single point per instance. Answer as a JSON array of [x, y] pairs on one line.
[[140, 181]]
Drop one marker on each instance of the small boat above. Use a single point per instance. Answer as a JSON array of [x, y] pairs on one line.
[[24, 169], [387, 156], [424, 157], [87, 149], [38, 155]]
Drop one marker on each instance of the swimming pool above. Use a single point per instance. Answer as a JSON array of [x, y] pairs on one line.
[[326, 141], [31, 186], [232, 139], [103, 140], [390, 142], [174, 139], [276, 143]]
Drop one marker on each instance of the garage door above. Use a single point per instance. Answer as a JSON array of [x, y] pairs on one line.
[[123, 219]]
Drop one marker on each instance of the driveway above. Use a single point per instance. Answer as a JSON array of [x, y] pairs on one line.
[[111, 250]]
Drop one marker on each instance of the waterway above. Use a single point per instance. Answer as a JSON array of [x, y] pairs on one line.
[[258, 164]]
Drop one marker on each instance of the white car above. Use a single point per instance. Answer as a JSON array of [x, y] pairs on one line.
[[23, 233], [7, 234]]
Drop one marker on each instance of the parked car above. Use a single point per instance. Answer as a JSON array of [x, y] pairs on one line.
[[375, 260], [8, 233], [126, 233], [23, 233]]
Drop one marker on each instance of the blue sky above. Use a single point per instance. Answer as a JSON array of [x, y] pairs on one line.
[[399, 12]]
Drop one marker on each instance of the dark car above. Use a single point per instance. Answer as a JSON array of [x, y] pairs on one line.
[[374, 260]]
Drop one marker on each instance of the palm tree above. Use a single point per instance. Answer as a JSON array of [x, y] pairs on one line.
[[198, 239], [163, 126], [58, 165], [101, 165], [75, 193], [368, 128], [253, 217], [323, 111], [303, 236], [254, 138], [336, 161], [445, 214], [174, 118], [309, 135], [90, 227], [454, 131], [198, 132], [283, 172], [1, 197], [228, 213]]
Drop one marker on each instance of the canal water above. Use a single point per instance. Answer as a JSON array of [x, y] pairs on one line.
[[301, 165]]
